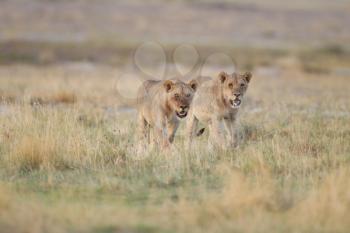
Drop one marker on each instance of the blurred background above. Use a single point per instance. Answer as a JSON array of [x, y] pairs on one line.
[[314, 34], [68, 159]]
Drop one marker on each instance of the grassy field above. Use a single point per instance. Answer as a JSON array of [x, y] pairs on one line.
[[67, 163], [67, 143]]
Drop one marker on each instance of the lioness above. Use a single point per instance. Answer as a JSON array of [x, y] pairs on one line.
[[216, 101], [160, 105]]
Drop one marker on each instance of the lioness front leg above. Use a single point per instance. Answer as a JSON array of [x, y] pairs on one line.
[[172, 127], [231, 133], [215, 135], [160, 132]]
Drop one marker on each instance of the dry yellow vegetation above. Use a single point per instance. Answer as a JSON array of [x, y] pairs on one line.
[[67, 163]]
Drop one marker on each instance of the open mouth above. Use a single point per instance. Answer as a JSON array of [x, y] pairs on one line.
[[181, 114], [235, 103]]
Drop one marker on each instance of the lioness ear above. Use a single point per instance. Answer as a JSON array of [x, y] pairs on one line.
[[193, 84], [247, 76], [222, 76], [168, 84]]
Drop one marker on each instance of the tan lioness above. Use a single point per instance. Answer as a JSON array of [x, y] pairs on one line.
[[160, 105], [216, 101]]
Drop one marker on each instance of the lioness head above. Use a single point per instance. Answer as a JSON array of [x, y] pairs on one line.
[[179, 95], [234, 87]]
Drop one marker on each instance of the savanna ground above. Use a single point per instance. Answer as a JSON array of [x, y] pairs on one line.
[[66, 163], [67, 158]]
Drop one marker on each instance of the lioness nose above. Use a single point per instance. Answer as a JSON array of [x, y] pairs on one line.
[[183, 107], [237, 95]]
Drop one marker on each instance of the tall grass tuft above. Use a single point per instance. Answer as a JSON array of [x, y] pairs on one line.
[[44, 138]]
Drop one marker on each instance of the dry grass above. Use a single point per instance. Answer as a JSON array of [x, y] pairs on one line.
[[71, 167], [47, 138], [34, 153], [60, 97]]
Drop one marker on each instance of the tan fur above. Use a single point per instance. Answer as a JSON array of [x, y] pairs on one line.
[[214, 102], [160, 105]]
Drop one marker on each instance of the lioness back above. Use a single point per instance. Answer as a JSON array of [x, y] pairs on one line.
[[145, 89]]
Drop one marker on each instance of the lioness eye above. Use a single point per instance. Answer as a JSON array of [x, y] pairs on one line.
[[242, 84], [188, 95], [230, 85], [177, 96]]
